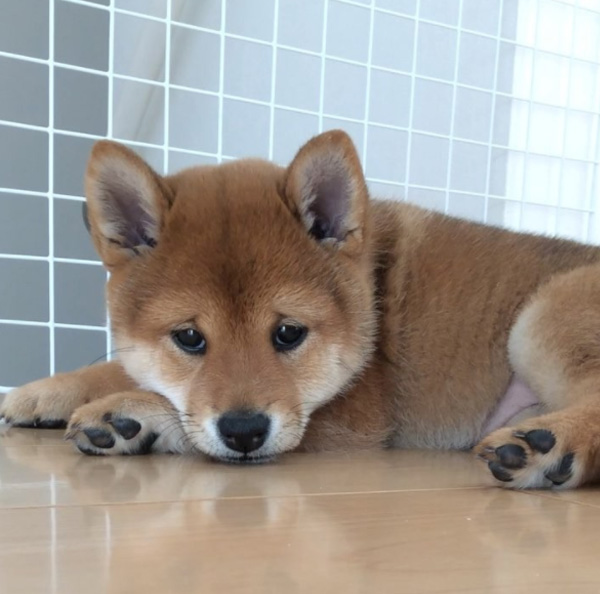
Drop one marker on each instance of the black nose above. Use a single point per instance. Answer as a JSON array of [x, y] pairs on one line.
[[244, 430]]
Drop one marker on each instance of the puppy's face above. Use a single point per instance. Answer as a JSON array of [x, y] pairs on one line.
[[243, 292]]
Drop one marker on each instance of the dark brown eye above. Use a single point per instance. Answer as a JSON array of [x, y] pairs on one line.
[[190, 340], [288, 336]]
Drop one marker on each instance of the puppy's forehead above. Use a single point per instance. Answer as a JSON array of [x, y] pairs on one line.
[[229, 232]]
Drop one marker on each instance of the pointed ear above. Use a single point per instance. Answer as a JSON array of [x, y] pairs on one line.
[[326, 187], [126, 203]]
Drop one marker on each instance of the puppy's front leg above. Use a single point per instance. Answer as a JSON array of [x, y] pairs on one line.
[[132, 423], [50, 402]]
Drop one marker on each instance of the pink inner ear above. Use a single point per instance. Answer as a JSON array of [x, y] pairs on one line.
[[123, 208], [329, 195]]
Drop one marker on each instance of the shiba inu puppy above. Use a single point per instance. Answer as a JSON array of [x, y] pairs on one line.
[[258, 309]]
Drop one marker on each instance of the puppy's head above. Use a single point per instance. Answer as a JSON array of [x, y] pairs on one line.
[[243, 292]]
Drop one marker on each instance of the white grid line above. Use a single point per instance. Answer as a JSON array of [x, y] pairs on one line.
[[453, 110], [567, 110], [536, 4], [368, 85], [323, 56], [51, 187], [273, 79], [488, 173]]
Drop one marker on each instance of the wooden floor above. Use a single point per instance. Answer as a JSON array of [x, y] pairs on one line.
[[385, 522]]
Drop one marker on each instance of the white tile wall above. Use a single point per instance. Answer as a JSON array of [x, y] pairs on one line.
[[486, 109]]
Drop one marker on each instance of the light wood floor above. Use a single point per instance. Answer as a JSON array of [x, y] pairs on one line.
[[383, 522]]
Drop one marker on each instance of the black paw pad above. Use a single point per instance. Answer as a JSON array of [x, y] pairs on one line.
[[564, 471], [101, 438], [88, 451], [126, 428], [512, 456], [500, 472], [147, 443], [50, 423], [23, 424], [540, 440]]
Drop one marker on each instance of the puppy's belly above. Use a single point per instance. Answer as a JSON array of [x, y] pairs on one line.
[[519, 402]]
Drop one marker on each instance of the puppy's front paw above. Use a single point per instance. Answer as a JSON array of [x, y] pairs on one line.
[[127, 423], [44, 404], [554, 451]]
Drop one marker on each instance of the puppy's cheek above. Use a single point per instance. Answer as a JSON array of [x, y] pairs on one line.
[[154, 370]]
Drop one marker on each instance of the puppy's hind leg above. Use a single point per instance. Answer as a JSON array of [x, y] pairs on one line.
[[128, 423], [555, 347]]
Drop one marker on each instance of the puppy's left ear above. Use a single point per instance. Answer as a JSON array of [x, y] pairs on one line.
[[326, 187]]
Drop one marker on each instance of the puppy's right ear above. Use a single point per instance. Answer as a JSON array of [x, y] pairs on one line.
[[127, 202]]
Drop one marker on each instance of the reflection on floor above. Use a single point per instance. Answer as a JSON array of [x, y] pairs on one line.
[[392, 521]]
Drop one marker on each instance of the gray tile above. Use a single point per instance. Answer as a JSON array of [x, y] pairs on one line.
[[290, 131], [348, 31], [80, 101], [429, 161], [179, 160], [345, 89], [430, 199], [24, 294], [400, 6], [139, 47], [298, 80], [386, 154], [393, 42], [25, 354], [389, 101], [205, 14], [432, 107], [498, 171], [496, 212], [76, 348], [245, 129], [190, 48], [24, 27], [436, 51], [466, 206], [510, 16], [23, 224], [481, 15], [301, 24], [477, 61], [155, 157], [81, 35], [506, 67], [355, 130], [248, 69], [469, 167], [23, 159], [440, 11], [193, 121], [472, 114], [79, 294], [71, 239], [24, 92], [250, 19], [503, 115], [157, 8], [138, 112], [385, 191], [70, 159]]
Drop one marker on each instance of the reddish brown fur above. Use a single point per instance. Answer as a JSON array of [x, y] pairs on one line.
[[409, 314]]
